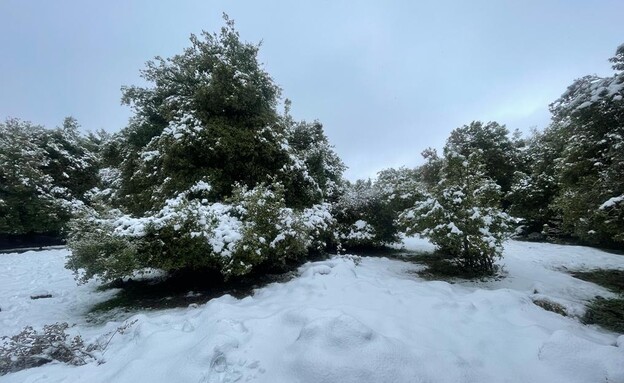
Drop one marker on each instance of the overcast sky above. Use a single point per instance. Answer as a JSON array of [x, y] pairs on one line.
[[386, 78]]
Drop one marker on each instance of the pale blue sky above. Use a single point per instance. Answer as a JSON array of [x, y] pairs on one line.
[[386, 78]]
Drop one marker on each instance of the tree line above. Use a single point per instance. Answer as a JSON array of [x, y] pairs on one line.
[[210, 174]]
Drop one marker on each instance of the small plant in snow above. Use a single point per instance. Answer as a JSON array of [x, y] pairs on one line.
[[461, 214], [30, 348]]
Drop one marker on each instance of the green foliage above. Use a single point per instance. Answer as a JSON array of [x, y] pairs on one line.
[[429, 172], [589, 167], [253, 228], [314, 172], [461, 214], [211, 114], [96, 251], [271, 234], [367, 211], [570, 176], [195, 158], [208, 175], [499, 153], [535, 184], [43, 174]]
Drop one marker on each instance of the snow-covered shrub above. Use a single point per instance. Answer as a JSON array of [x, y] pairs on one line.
[[44, 174], [358, 202], [461, 215], [97, 250], [321, 226], [361, 233], [254, 227], [367, 210], [270, 233], [30, 348]]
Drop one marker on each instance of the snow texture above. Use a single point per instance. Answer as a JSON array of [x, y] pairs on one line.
[[611, 202], [339, 322]]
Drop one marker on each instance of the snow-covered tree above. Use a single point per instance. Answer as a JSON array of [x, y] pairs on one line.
[[429, 172], [461, 214], [209, 114], [208, 174], [357, 203], [499, 152], [535, 181], [43, 176], [367, 209], [590, 115], [313, 172]]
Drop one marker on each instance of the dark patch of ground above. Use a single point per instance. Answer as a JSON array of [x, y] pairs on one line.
[[605, 312], [184, 288], [611, 279], [551, 306], [439, 266]]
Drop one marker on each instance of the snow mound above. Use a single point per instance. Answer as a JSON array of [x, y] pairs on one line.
[[580, 360], [342, 349], [323, 269]]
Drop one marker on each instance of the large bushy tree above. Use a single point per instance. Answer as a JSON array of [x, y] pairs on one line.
[[210, 114], [208, 174], [535, 181]]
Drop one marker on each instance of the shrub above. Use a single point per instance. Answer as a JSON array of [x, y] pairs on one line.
[[367, 211], [252, 228], [461, 215], [30, 348]]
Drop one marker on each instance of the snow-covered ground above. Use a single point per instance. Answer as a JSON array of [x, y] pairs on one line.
[[339, 321]]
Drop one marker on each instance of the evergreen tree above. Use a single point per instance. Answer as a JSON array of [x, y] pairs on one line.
[[499, 151], [208, 174], [429, 172], [535, 181], [44, 173], [461, 214], [589, 168], [367, 210], [313, 172], [210, 115]]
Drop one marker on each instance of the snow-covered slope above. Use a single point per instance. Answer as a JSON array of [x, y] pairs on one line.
[[339, 322]]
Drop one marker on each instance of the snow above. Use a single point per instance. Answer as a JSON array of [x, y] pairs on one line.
[[359, 231], [341, 320], [611, 202]]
